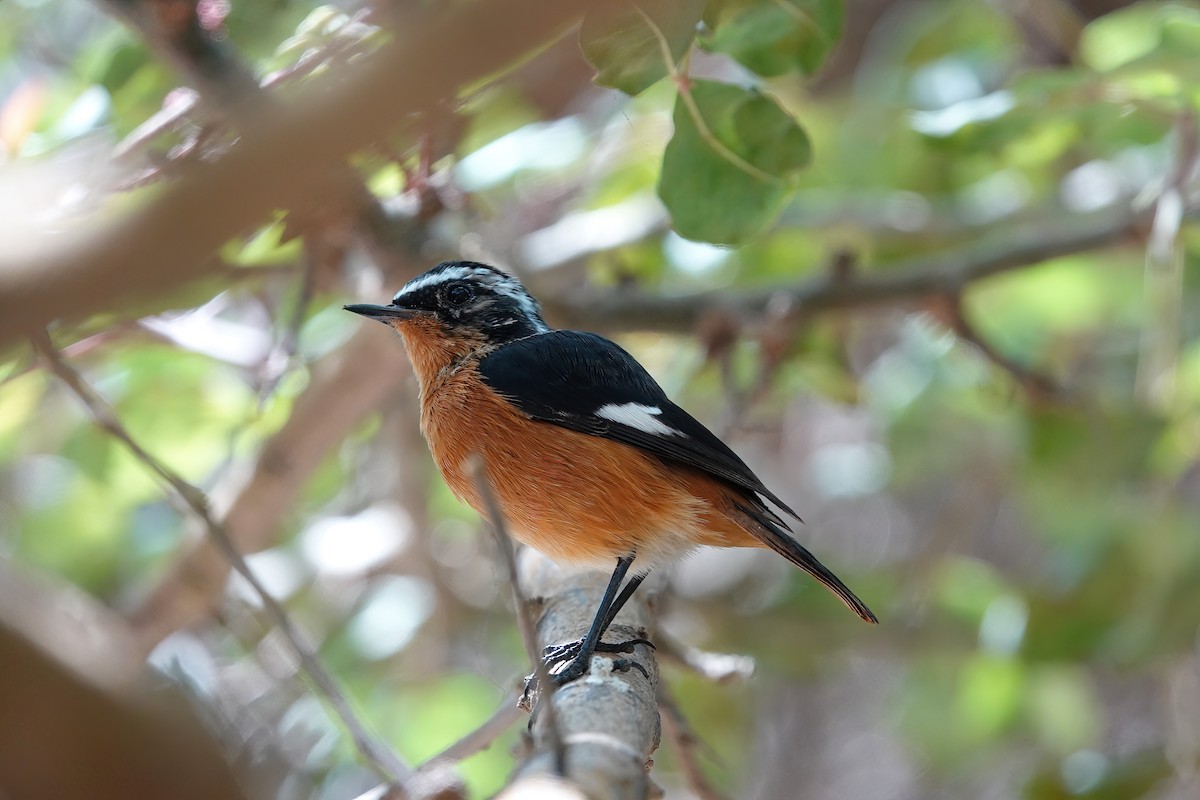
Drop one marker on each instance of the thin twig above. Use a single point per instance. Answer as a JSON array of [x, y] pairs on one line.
[[481, 738], [173, 115], [685, 742], [1159, 353], [804, 19], [525, 622], [374, 752], [1039, 387], [716, 667], [287, 344]]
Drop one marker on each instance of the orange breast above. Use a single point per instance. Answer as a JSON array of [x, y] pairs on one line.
[[576, 498]]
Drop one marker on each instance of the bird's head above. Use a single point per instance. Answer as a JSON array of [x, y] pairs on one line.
[[457, 308]]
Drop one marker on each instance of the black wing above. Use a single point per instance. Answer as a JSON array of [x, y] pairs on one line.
[[567, 377], [582, 381]]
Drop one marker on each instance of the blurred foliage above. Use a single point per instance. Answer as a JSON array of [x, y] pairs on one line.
[[1034, 560]]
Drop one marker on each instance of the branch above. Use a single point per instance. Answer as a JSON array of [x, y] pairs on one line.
[[609, 721], [1159, 353], [685, 743], [325, 412], [482, 737], [529, 634], [439, 766], [948, 273], [79, 720], [279, 162], [1039, 387], [375, 753], [176, 32], [344, 388], [720, 668]]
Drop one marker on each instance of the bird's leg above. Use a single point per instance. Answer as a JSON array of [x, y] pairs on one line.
[[619, 603], [580, 653], [558, 653], [587, 645]]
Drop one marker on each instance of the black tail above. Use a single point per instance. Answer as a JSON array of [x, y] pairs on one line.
[[774, 537]]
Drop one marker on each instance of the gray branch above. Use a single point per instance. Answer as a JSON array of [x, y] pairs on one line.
[[946, 273], [609, 720]]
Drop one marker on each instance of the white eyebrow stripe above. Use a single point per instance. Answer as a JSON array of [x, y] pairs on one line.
[[503, 284], [425, 281], [639, 416], [525, 302]]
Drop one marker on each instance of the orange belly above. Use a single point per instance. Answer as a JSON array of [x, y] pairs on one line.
[[574, 497]]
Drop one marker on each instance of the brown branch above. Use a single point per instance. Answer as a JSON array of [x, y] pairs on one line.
[[947, 273], [344, 388], [609, 720], [78, 718], [174, 29], [326, 411], [685, 743], [716, 667], [374, 752], [437, 769], [1039, 387], [529, 634], [482, 737], [280, 161]]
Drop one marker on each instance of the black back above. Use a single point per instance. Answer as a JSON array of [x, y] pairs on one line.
[[566, 377]]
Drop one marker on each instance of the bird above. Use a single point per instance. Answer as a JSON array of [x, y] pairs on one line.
[[589, 460]]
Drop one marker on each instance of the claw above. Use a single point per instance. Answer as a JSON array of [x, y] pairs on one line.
[[626, 664], [556, 654], [623, 647]]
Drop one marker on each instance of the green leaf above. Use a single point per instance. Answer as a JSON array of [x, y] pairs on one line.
[[773, 37], [1063, 708], [626, 42], [989, 694], [729, 168], [1164, 33]]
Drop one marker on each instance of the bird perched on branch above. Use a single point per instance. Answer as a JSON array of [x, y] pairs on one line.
[[590, 462]]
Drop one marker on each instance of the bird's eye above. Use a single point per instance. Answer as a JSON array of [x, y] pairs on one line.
[[458, 294]]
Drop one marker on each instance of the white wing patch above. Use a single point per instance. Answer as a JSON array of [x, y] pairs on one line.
[[639, 416]]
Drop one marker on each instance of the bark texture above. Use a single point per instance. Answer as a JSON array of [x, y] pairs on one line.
[[609, 720]]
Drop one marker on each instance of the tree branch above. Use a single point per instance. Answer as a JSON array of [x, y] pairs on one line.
[[378, 755], [685, 742], [947, 273], [482, 737], [344, 388], [720, 668], [529, 634], [79, 720], [609, 721], [1039, 387], [278, 162]]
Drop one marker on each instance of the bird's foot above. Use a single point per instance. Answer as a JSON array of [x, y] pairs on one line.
[[578, 663], [556, 654]]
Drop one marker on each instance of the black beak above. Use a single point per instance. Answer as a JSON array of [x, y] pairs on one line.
[[382, 313]]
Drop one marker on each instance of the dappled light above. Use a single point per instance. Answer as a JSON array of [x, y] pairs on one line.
[[927, 268]]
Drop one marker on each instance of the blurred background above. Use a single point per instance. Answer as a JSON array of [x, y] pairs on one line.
[[933, 285]]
